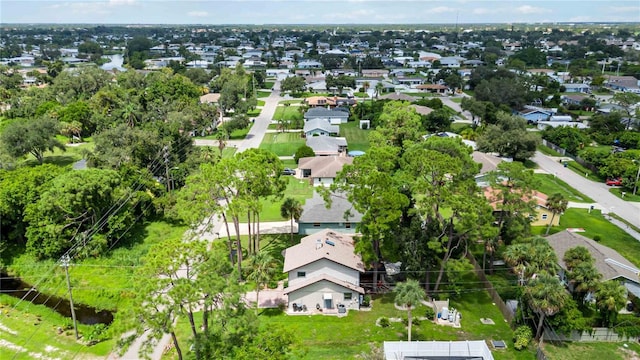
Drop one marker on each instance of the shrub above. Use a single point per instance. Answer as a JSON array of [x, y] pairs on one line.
[[303, 151], [522, 337], [430, 313], [384, 322], [597, 238], [366, 301]]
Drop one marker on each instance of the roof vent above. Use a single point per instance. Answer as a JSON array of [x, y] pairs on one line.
[[329, 242], [318, 244], [621, 265]]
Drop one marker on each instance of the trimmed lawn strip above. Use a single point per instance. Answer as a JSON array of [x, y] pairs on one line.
[[262, 94], [287, 113], [282, 144], [597, 227], [36, 330], [595, 350], [550, 184], [615, 216], [548, 151], [357, 139], [584, 172], [628, 194]]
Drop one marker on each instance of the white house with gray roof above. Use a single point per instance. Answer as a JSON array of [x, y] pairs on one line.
[[340, 216], [320, 127], [332, 116], [323, 273]]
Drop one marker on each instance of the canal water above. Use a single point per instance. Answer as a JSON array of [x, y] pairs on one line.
[[84, 314]]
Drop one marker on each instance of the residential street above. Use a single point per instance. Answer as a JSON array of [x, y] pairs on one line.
[[599, 192]]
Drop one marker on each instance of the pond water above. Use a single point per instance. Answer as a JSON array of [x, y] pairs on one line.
[[87, 315], [115, 62]]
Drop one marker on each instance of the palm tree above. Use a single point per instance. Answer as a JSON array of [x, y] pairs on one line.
[[610, 298], [263, 269], [365, 86], [409, 294], [516, 256], [546, 297], [557, 204], [379, 89], [292, 209], [222, 136], [585, 278]]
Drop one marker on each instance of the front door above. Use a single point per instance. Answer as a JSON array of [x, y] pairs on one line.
[[328, 304]]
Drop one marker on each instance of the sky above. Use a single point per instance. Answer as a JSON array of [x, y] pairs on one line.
[[224, 12]]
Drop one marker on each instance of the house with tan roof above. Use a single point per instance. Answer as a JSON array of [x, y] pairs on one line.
[[323, 273], [542, 217], [609, 263], [322, 170]]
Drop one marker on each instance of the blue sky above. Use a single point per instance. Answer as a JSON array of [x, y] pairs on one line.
[[316, 11]]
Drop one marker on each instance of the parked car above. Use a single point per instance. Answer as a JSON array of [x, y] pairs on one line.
[[288, 171], [614, 182]]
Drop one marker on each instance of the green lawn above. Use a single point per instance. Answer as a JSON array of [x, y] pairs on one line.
[[550, 184], [597, 227], [600, 350], [457, 100], [34, 329], [330, 337], [583, 171], [262, 94], [290, 102], [287, 113], [628, 194], [269, 84], [298, 189], [253, 113], [261, 102], [282, 144], [357, 139], [548, 151]]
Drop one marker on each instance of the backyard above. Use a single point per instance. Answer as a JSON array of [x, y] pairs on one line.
[[331, 337], [357, 139]]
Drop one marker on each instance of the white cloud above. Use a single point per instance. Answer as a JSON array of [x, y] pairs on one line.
[[482, 11], [198, 13], [528, 10]]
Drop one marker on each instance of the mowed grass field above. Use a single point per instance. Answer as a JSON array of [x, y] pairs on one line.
[[282, 144]]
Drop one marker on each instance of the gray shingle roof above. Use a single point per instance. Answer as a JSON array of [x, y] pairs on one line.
[[326, 244], [322, 112], [315, 210], [325, 144], [321, 124], [609, 262]]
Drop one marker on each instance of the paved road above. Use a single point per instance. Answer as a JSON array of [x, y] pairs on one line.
[[599, 192]]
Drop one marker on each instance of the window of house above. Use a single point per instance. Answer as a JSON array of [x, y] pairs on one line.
[[544, 216], [347, 296], [302, 274], [316, 224], [347, 225]]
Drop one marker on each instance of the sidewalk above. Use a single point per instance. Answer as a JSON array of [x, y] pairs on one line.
[[275, 227]]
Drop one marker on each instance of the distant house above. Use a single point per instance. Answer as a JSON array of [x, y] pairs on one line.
[[543, 215], [327, 146], [332, 116], [577, 88], [573, 99], [554, 124], [623, 83], [422, 110], [610, 264], [328, 101], [323, 273], [433, 88], [533, 115], [340, 216], [320, 127], [322, 170], [374, 73], [211, 98], [398, 96]]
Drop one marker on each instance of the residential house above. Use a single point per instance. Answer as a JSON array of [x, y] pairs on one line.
[[433, 88], [622, 83], [333, 116], [327, 146], [533, 115], [609, 263], [398, 96], [322, 170], [320, 127], [340, 216], [573, 99], [554, 124], [542, 217], [323, 273], [408, 81], [577, 88], [422, 110], [375, 73], [451, 61], [309, 64]]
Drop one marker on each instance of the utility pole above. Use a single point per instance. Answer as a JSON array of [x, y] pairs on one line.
[[65, 264]]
